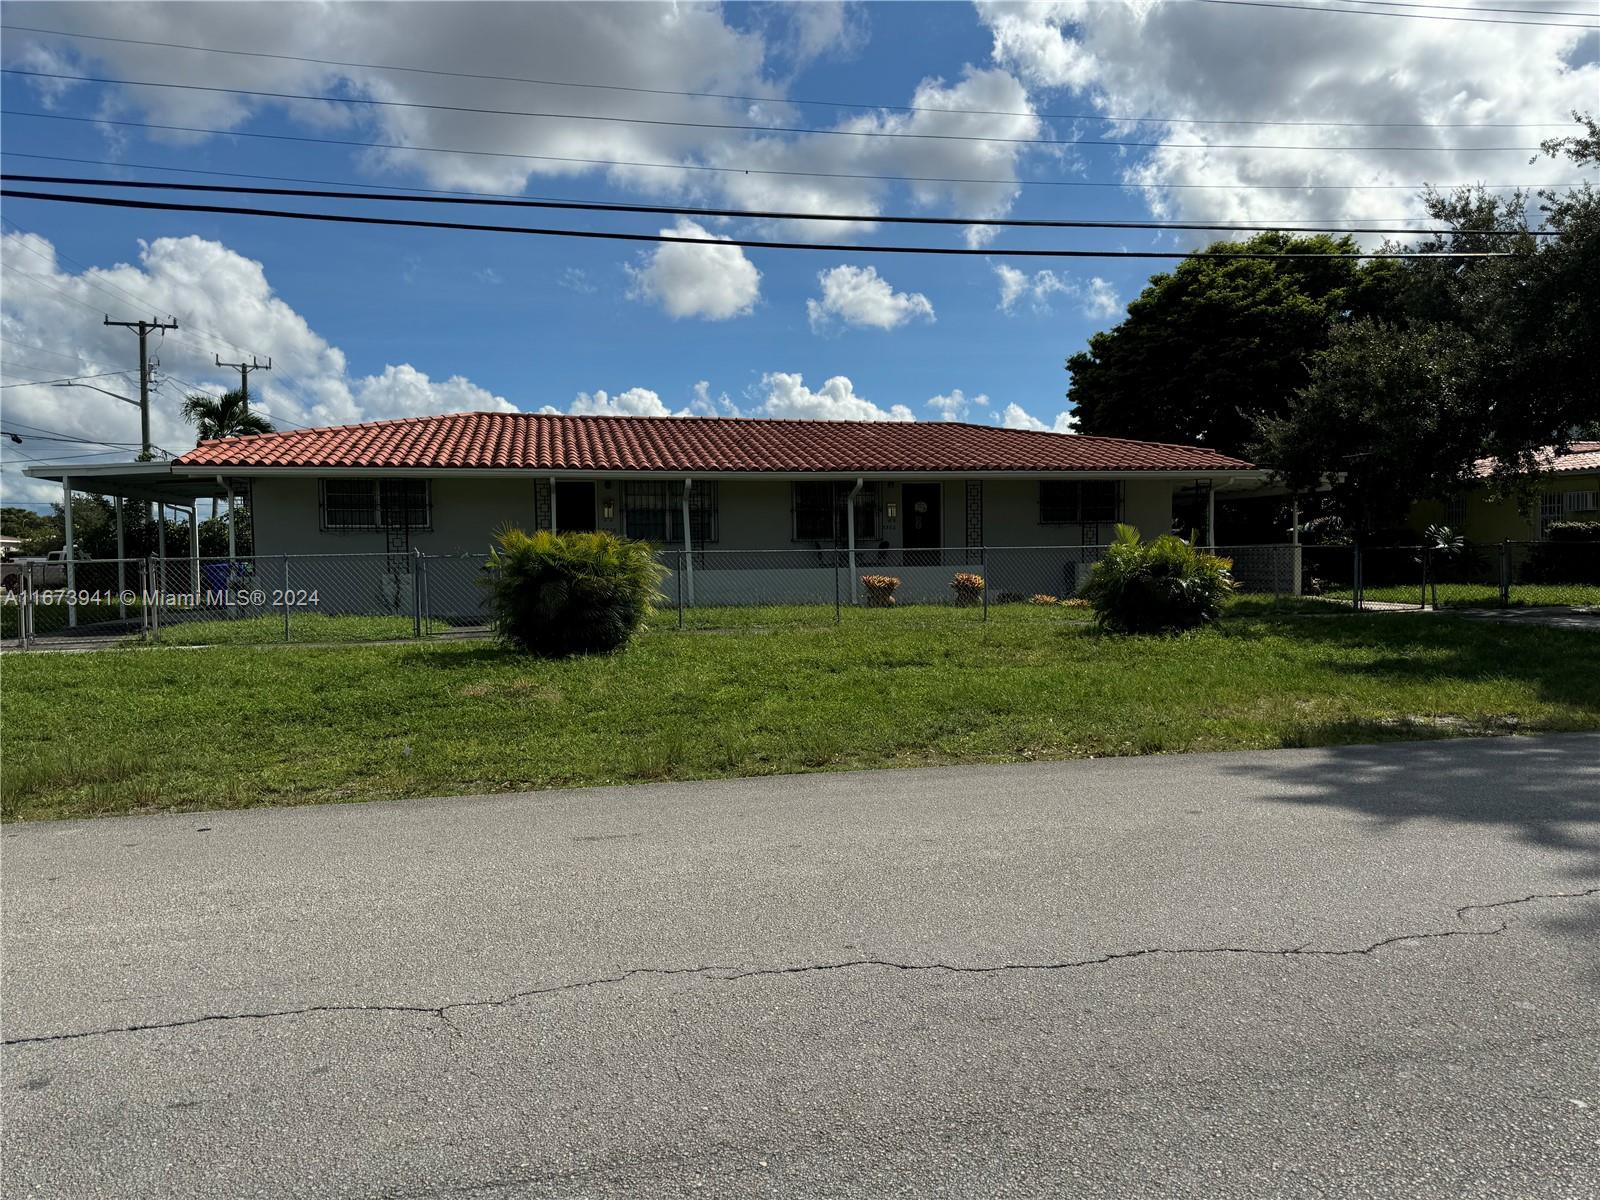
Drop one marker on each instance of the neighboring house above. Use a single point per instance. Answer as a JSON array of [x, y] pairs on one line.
[[1568, 489], [10, 546], [708, 486]]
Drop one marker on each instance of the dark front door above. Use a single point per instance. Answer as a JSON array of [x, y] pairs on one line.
[[921, 521], [574, 507]]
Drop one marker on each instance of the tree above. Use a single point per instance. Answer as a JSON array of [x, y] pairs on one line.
[[227, 415], [222, 416], [1389, 416], [1222, 341], [33, 528]]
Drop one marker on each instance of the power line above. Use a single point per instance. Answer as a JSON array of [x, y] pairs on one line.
[[912, 108], [61, 379], [1473, 8], [394, 187], [606, 162], [613, 235], [683, 210], [1367, 12], [729, 126], [72, 358]]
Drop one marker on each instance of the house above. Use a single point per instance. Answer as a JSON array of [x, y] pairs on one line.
[[1568, 489], [768, 509]]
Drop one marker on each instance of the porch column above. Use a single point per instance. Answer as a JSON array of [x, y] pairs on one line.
[[194, 550], [233, 543], [122, 567], [1211, 514], [553, 525], [688, 557], [850, 535], [72, 553], [161, 549]]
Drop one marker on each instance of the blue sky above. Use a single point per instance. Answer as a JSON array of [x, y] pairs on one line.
[[371, 323]]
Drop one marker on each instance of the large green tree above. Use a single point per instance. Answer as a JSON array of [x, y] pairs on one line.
[[1222, 341]]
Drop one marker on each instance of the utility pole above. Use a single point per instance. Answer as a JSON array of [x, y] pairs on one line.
[[144, 329], [244, 369]]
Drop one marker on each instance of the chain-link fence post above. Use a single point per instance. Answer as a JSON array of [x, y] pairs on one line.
[[153, 596], [1422, 600], [838, 566], [677, 582], [983, 569], [286, 635], [416, 593], [1357, 587], [1505, 573]]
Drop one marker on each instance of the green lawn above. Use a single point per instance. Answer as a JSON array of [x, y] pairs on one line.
[[154, 728], [1479, 595]]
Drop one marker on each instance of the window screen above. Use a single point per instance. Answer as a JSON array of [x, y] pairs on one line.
[[1075, 501]]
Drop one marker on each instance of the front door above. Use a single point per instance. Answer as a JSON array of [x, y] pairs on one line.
[[924, 530], [574, 506]]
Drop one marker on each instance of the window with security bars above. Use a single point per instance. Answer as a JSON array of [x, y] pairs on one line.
[[1455, 511], [1551, 509], [820, 516], [652, 511], [365, 505], [1078, 501]]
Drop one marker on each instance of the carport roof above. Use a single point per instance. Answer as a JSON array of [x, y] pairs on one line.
[[131, 480]]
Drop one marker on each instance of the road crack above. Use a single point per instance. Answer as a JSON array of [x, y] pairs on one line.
[[729, 974]]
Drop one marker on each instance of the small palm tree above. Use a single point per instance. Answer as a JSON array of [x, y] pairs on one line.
[[222, 416]]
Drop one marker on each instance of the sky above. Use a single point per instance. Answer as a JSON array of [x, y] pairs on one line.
[[850, 109]]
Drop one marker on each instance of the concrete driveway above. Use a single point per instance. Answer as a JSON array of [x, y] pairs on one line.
[[1364, 972]]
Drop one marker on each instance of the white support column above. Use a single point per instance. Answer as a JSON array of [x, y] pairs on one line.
[[850, 536], [688, 547], [1211, 514], [194, 550], [161, 550], [72, 551], [233, 541], [553, 525], [122, 567]]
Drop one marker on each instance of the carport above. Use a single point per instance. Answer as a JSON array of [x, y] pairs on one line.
[[152, 483]]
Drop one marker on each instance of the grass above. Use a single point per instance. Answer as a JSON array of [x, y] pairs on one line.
[[150, 729], [1483, 595], [303, 627]]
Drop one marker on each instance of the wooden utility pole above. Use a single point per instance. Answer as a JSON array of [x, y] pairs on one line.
[[143, 329], [244, 369]]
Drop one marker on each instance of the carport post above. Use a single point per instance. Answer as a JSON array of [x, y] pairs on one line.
[[194, 550], [161, 549], [122, 569], [233, 547], [72, 553], [850, 534]]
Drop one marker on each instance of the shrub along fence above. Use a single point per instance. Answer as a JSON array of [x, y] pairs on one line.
[[377, 597]]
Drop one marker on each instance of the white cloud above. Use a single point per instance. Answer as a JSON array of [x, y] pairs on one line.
[[488, 275], [679, 48], [1096, 298], [714, 281], [836, 400], [1017, 417], [576, 279], [704, 405], [635, 402], [860, 296], [955, 406], [1215, 65], [223, 303]]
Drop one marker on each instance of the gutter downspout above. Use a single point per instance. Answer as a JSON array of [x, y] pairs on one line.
[[850, 528], [688, 547]]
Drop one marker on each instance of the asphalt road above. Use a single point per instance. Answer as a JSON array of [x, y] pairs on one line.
[[1361, 972]]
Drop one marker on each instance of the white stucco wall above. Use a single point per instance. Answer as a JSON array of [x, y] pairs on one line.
[[754, 514]]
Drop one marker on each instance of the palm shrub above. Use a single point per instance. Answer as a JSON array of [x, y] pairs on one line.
[[559, 594], [1160, 586]]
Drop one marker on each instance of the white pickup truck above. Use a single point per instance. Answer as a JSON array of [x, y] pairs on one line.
[[47, 571]]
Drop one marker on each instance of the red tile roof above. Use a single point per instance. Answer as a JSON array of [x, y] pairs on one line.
[[537, 441], [1581, 456]]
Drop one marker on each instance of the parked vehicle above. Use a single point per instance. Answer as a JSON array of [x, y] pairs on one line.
[[47, 571]]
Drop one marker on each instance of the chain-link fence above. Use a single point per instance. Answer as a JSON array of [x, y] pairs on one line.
[[381, 597], [1471, 575]]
